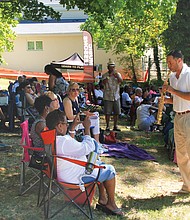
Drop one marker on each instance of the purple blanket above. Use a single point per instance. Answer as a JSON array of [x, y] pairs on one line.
[[122, 150]]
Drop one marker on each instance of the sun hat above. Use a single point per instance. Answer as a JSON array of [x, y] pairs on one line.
[[111, 63]]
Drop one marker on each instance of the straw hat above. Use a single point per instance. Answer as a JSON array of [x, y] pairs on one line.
[[111, 63]]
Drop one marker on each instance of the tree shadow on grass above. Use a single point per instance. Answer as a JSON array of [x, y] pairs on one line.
[[154, 203]]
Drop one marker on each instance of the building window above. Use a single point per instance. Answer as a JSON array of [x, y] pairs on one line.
[[35, 45]]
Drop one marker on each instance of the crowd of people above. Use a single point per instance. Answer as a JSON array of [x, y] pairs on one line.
[[59, 105]]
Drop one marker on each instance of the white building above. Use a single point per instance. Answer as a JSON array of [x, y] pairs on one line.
[[37, 44]]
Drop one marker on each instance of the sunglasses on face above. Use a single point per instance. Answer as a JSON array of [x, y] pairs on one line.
[[75, 90], [56, 99], [64, 123], [28, 87]]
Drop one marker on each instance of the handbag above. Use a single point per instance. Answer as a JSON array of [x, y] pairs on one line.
[[110, 138], [38, 162], [107, 138]]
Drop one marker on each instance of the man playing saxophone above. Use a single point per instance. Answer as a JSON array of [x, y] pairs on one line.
[[180, 98]]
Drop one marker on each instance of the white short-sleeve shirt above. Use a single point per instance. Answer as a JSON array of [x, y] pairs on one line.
[[181, 84]]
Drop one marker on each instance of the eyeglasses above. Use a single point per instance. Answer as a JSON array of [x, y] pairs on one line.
[[63, 123], [28, 87], [75, 90], [53, 100]]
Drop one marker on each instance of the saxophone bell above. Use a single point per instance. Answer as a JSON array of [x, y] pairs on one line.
[[161, 102]]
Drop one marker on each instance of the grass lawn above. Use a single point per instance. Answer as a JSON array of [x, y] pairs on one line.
[[143, 187]]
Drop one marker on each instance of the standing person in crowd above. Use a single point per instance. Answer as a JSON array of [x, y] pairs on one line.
[[111, 81], [56, 82], [67, 146], [180, 90], [71, 108]]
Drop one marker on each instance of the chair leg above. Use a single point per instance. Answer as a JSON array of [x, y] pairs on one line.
[[27, 184], [22, 177]]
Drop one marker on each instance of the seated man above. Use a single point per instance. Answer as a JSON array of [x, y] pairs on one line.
[[67, 146]]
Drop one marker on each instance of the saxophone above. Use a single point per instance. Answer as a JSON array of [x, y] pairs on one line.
[[161, 102]]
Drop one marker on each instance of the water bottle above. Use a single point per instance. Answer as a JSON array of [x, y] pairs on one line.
[[92, 158]]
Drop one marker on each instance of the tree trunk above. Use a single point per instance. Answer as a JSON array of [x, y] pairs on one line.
[[157, 63], [133, 70], [149, 67]]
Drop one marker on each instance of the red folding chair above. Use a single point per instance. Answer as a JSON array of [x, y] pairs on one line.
[[72, 193]]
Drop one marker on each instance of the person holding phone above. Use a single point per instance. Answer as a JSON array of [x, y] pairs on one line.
[[71, 108], [67, 145]]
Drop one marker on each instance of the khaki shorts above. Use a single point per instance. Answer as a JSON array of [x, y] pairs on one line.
[[112, 107]]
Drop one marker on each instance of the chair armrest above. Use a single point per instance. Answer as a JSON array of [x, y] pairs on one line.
[[79, 162], [33, 148]]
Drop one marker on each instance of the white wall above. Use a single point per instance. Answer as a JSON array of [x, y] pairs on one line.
[[55, 47]]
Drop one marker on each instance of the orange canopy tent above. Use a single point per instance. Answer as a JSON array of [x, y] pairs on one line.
[[69, 76]]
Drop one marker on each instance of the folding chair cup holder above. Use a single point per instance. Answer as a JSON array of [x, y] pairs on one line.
[[72, 194]]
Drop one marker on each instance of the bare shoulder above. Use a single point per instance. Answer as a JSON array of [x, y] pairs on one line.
[[66, 100]]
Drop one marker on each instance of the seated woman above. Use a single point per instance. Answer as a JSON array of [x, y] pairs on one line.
[[42, 105], [71, 108], [29, 93], [55, 104], [98, 95], [126, 101], [67, 146], [27, 98]]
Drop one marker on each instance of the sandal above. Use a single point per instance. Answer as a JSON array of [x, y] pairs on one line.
[[104, 209], [100, 207], [113, 212]]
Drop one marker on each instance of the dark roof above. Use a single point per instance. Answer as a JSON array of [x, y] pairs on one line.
[[75, 61]]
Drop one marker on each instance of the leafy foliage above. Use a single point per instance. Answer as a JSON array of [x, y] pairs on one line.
[[11, 12], [127, 27], [177, 36]]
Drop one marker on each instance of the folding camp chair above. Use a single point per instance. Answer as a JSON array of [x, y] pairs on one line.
[[80, 196], [25, 111], [29, 176]]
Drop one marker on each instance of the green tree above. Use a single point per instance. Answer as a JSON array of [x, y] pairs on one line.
[[126, 27], [13, 11], [177, 36]]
